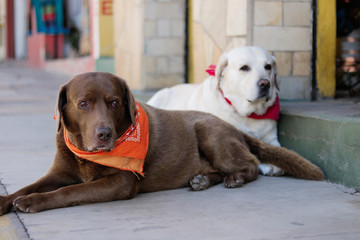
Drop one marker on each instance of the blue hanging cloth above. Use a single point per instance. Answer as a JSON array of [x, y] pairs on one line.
[[49, 16]]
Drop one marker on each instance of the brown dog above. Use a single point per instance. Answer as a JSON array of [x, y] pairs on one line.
[[98, 114]]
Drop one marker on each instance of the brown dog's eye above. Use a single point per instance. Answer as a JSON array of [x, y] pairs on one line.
[[268, 67], [114, 103], [245, 68], [83, 105]]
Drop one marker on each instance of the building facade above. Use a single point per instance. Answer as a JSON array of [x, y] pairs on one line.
[[153, 43], [159, 43]]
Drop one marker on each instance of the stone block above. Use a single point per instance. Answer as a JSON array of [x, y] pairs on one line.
[[268, 13], [150, 29], [294, 88], [236, 19], [301, 63], [164, 10], [298, 1], [162, 65], [178, 28], [297, 13], [282, 0], [164, 28], [158, 81], [164, 47], [176, 65], [149, 64], [235, 42], [283, 62], [283, 38]]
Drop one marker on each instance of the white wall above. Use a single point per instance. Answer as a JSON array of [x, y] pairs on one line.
[[20, 25]]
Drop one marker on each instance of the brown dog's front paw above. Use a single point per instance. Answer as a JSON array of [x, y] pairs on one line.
[[5, 205], [29, 204], [199, 182], [233, 180]]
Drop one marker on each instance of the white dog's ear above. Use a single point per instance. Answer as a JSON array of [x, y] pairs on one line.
[[220, 66], [275, 73]]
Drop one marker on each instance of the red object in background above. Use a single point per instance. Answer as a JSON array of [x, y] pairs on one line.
[[107, 7], [10, 38], [54, 45]]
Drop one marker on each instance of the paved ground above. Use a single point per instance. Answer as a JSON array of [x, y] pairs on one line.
[[269, 208]]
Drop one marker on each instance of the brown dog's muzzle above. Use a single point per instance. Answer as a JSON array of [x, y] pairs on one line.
[[104, 133], [102, 138]]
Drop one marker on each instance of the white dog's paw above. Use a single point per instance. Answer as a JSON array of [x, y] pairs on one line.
[[270, 170]]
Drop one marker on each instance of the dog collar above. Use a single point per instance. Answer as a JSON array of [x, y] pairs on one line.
[[130, 149], [273, 112]]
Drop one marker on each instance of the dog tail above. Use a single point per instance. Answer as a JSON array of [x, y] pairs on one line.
[[289, 161]]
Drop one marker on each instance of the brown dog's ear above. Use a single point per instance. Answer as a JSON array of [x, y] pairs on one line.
[[220, 66], [62, 100], [129, 101]]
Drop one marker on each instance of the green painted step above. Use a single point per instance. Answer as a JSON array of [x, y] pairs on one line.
[[328, 134]]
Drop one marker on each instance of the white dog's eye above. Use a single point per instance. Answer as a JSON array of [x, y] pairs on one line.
[[268, 67], [245, 68]]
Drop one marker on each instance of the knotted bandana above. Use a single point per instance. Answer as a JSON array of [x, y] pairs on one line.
[[130, 149]]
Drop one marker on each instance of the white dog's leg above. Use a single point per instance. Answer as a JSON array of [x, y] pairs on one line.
[[270, 170]]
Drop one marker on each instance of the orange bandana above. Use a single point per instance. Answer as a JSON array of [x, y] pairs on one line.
[[130, 149]]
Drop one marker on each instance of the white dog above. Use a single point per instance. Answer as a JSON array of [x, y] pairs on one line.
[[242, 91]]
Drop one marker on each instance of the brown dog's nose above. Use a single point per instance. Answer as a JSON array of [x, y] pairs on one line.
[[263, 84], [104, 133]]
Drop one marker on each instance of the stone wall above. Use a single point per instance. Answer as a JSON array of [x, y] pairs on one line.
[[150, 42], [217, 26], [164, 43], [284, 29]]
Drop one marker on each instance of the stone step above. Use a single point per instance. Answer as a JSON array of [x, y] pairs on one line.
[[327, 133]]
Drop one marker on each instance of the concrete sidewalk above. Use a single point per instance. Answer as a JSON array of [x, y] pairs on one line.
[[269, 208]]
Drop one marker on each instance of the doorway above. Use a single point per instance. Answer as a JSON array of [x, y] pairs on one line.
[[348, 48]]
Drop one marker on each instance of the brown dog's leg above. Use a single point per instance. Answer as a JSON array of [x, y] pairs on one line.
[[230, 156], [202, 182], [238, 179], [122, 185], [47, 183], [246, 172]]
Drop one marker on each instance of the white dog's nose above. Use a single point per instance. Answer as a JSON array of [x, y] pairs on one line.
[[264, 84]]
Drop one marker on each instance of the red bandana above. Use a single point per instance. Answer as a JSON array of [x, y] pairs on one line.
[[130, 149], [211, 70], [273, 112]]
